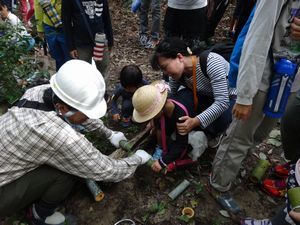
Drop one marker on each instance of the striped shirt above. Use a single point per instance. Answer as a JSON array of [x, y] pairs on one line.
[[215, 85], [31, 138]]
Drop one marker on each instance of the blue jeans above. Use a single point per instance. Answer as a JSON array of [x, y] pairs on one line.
[[57, 45]]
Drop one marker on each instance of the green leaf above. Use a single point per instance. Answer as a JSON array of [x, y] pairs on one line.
[[184, 218]]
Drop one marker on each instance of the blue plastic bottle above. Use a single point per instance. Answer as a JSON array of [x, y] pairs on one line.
[[136, 4], [284, 74]]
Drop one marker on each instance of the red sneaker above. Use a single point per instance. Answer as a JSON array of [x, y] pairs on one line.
[[275, 188], [282, 170]]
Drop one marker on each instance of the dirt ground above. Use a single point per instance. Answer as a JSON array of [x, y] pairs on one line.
[[144, 198]]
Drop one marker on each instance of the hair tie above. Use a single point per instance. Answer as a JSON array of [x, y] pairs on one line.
[[189, 50]]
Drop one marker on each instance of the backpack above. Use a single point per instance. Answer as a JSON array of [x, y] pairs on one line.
[[223, 48]]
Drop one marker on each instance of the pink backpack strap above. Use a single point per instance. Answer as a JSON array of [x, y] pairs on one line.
[[163, 134], [180, 105], [163, 125]]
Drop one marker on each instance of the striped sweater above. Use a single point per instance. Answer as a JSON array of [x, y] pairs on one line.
[[215, 85]]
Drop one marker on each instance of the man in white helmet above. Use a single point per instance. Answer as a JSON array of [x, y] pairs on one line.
[[42, 151]]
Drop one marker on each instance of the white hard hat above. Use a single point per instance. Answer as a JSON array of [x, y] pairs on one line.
[[81, 86]]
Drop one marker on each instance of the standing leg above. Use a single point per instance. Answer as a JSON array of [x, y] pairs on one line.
[[155, 8], [268, 124], [30, 11], [23, 9], [143, 16], [235, 145]]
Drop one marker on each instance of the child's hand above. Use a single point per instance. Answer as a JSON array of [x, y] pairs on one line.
[[156, 167], [295, 215], [116, 117]]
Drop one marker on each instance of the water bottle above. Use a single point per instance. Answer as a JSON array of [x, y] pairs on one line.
[[99, 48], [279, 91], [136, 4]]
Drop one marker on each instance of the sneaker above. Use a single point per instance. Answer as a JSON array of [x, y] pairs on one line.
[[282, 171], [275, 188], [56, 218], [143, 40], [151, 43], [126, 122]]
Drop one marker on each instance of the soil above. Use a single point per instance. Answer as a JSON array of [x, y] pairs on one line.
[[144, 198]]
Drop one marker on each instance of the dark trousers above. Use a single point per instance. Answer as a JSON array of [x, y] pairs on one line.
[[44, 184], [222, 122], [127, 107], [290, 134]]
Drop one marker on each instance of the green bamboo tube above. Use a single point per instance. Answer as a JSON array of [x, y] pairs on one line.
[[179, 189], [94, 188], [126, 145]]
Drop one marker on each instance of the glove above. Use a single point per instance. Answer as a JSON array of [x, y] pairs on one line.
[[116, 137], [143, 155]]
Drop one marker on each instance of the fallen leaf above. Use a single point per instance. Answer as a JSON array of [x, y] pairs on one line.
[[254, 154], [275, 134], [274, 142], [224, 213], [270, 151], [262, 155], [194, 203]]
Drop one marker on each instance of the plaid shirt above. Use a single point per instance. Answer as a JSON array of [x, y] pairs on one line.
[[31, 138]]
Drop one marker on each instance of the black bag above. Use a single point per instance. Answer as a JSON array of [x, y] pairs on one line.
[[223, 48]]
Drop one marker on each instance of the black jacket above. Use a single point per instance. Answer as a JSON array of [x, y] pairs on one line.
[[97, 15]]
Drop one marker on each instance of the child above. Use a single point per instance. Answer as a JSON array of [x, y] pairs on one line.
[[8, 17], [131, 78], [151, 103]]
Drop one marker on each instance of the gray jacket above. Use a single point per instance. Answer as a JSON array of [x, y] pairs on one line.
[[271, 22]]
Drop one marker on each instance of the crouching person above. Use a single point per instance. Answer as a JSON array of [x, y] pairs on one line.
[[43, 150], [151, 103]]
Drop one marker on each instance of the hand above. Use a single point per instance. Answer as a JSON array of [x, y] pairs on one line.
[[295, 215], [241, 111], [41, 35], [295, 29], [143, 155], [116, 137], [156, 167], [74, 54], [116, 117], [188, 124]]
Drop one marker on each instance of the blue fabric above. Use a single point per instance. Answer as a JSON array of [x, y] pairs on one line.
[[57, 45], [237, 51], [31, 43]]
